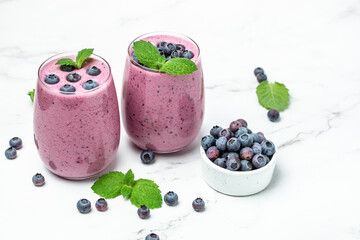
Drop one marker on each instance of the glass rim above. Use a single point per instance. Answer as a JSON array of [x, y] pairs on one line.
[[68, 54], [157, 33]]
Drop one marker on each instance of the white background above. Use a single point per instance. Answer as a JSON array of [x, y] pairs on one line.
[[311, 46]]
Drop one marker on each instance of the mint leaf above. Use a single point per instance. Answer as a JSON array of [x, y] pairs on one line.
[[146, 192], [66, 61], [109, 185], [273, 95], [179, 66], [126, 191], [82, 56], [31, 94], [147, 54], [129, 178]]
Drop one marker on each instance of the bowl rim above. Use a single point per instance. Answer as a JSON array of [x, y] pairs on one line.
[[208, 162]]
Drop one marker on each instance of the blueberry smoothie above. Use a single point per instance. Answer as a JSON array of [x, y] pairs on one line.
[[76, 117], [163, 112]]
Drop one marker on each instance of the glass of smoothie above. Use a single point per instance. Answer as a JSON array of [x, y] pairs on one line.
[[163, 112], [76, 117]]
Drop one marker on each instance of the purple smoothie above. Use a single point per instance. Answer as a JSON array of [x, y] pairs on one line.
[[77, 134], [162, 112]]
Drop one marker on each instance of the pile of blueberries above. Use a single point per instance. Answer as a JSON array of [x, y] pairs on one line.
[[15, 144], [237, 148]]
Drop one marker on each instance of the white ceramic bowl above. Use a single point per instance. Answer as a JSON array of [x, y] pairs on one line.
[[236, 183]]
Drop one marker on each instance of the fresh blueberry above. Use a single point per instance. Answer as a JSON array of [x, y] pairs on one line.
[[90, 84], [84, 205], [256, 147], [198, 205], [73, 77], [245, 165], [268, 147], [242, 122], [16, 142], [262, 136], [147, 156], [232, 154], [143, 212], [233, 144], [101, 204], [233, 164], [67, 68], [180, 47], [10, 153], [224, 155], [246, 153], [234, 126], [168, 48], [221, 143], [258, 70], [215, 131], [213, 153], [161, 44], [240, 131], [93, 71], [221, 162], [273, 115], [161, 51], [175, 54], [171, 198], [246, 140], [249, 131], [256, 137], [68, 88], [52, 79], [188, 54], [259, 160], [225, 133], [152, 236], [261, 77], [207, 142], [38, 179]]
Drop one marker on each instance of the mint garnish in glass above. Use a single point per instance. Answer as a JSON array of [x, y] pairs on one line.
[[80, 58]]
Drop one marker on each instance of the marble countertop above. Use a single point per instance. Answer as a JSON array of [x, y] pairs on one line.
[[311, 46]]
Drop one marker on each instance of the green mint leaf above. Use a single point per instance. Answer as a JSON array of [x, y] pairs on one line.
[[109, 185], [147, 54], [82, 56], [273, 95], [129, 178], [66, 61], [31, 94], [179, 66], [126, 191], [146, 192]]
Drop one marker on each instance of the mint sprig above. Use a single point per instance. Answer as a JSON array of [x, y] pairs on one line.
[[149, 55], [80, 58], [140, 192], [273, 95], [31, 94]]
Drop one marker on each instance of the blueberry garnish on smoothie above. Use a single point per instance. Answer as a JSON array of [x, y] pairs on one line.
[[90, 84], [52, 79], [93, 71], [68, 88], [67, 68], [73, 77]]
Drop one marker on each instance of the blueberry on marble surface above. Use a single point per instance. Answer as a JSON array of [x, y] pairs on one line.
[[38, 179], [52, 79], [143, 212], [273, 115], [147, 156], [258, 70], [73, 77], [90, 84], [84, 205], [10, 153], [93, 71], [16, 142], [261, 77], [152, 236], [198, 205], [101, 204], [171, 198]]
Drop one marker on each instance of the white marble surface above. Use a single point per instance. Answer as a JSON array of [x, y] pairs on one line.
[[311, 46]]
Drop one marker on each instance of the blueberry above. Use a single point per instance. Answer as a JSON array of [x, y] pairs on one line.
[[152, 236], [67, 68], [213, 153], [180, 47], [101, 204], [232, 154], [90, 84], [68, 88], [215, 131], [256, 137], [242, 122], [143, 212], [225, 133], [84, 205], [233, 144], [198, 205], [258, 70], [73, 77], [233, 164], [273, 115], [245, 165], [256, 147], [268, 147], [16, 142], [240, 131], [10, 153], [261, 77], [93, 71], [52, 79], [188, 54], [171, 198], [147, 156], [38, 179], [161, 44], [168, 48], [224, 155], [161, 51], [175, 54], [245, 140], [221, 143], [207, 142], [259, 160], [221, 162], [246, 153], [262, 136], [234, 126]]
